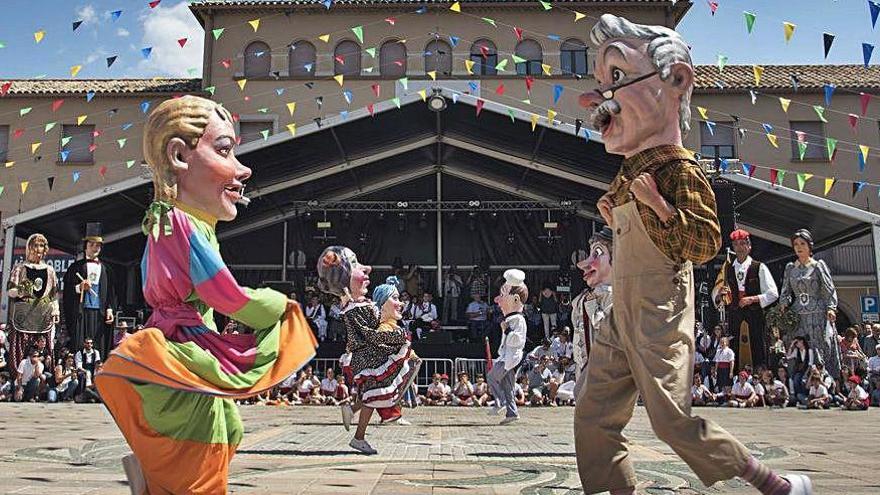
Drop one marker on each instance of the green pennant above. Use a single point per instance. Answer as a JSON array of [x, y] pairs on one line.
[[265, 133], [129, 164], [546, 5], [780, 176], [404, 81], [359, 32], [512, 116], [527, 101], [2, 44], [802, 149], [1, 187], [371, 52], [722, 62], [501, 65], [518, 60], [121, 142], [490, 21], [831, 144], [24, 111], [49, 127], [192, 71], [396, 102], [263, 110], [750, 21], [210, 89], [820, 112], [218, 33], [65, 140], [802, 181]]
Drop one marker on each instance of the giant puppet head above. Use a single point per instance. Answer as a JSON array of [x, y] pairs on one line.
[[36, 248], [188, 144], [341, 274], [645, 79], [514, 293], [597, 266], [386, 297]]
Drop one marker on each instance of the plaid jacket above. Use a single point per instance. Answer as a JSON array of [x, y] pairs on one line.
[[694, 232]]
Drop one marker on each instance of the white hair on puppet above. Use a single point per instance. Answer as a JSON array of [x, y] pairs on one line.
[[665, 47], [514, 277]]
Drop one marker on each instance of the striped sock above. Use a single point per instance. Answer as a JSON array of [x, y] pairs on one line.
[[764, 480]]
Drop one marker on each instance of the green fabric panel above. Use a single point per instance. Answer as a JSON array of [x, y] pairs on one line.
[[204, 364], [265, 308], [189, 416]]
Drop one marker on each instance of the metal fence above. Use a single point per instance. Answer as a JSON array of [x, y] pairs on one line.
[[472, 367], [428, 368]]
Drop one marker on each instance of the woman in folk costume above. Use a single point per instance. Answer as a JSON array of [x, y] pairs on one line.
[[381, 360], [170, 387], [33, 287]]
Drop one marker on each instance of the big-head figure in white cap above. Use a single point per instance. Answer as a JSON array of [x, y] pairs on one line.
[[502, 376]]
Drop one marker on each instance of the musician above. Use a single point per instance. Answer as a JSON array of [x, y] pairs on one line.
[[744, 288]]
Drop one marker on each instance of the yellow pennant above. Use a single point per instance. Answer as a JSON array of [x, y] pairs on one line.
[[785, 102], [469, 65], [81, 119], [292, 129], [75, 70], [35, 147], [829, 183], [456, 7], [325, 38], [702, 113], [546, 68], [10, 164], [864, 151], [241, 83], [758, 70], [551, 114], [534, 122], [424, 94], [340, 78], [433, 75], [788, 30], [24, 186], [291, 107], [773, 140], [38, 36], [578, 16], [255, 24]]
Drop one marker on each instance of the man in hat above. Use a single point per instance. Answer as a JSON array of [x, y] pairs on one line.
[[662, 210], [745, 287], [502, 376], [89, 297]]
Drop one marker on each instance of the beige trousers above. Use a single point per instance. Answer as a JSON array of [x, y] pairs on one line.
[[647, 349]]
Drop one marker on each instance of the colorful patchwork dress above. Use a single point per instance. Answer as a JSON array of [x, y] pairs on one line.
[[170, 387]]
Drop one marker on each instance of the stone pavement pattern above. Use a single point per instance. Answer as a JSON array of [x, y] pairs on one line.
[[75, 449]]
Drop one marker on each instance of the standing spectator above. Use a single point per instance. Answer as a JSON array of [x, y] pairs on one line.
[[775, 392], [328, 387], [481, 391], [425, 315], [409, 308], [724, 359], [708, 346], [452, 284], [819, 397], [564, 313], [30, 378], [66, 384], [851, 354], [478, 281], [874, 363], [743, 394], [4, 349], [857, 399], [869, 343], [477, 313], [317, 317], [412, 280], [335, 327], [533, 317], [776, 357], [463, 394], [549, 306]]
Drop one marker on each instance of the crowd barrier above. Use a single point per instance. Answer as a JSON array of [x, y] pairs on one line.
[[472, 367], [423, 379]]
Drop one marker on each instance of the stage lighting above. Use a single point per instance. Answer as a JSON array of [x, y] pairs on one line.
[[436, 102]]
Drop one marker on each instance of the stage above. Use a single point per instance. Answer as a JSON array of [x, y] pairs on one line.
[[75, 449]]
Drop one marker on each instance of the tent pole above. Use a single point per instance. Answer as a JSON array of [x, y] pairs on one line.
[[284, 253], [875, 237], [8, 250], [439, 236]]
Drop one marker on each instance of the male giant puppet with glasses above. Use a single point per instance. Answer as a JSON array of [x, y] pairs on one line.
[[661, 209]]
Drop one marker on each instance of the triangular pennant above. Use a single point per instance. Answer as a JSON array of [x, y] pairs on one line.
[[226, 63], [875, 10], [802, 181], [545, 68], [785, 102], [371, 52], [217, 33], [456, 7], [831, 146], [291, 128], [396, 100], [371, 109], [145, 106], [500, 89], [724, 165], [115, 14], [517, 59], [75, 176], [77, 24], [241, 83], [757, 70], [754, 96], [578, 16], [788, 30], [489, 21], [710, 126], [24, 186], [774, 176], [75, 70], [829, 183], [49, 127], [750, 21], [864, 99], [820, 112], [129, 163], [325, 38], [867, 51], [65, 140], [359, 32], [551, 114], [145, 52], [742, 134], [854, 122], [713, 6], [518, 32], [546, 5], [35, 147], [81, 119], [291, 107], [795, 82], [265, 134], [64, 154], [857, 188], [702, 113], [722, 62], [348, 95], [255, 24], [557, 93], [10, 164], [827, 41], [863, 156], [154, 3], [773, 140], [102, 171], [404, 81], [829, 92], [768, 129], [51, 181], [121, 142], [24, 111], [433, 75], [534, 119], [211, 89], [473, 87], [39, 35], [469, 66], [802, 149], [5, 88], [424, 94], [480, 104], [500, 66], [340, 78]]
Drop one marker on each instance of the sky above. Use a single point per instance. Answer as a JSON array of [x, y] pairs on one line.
[[101, 35]]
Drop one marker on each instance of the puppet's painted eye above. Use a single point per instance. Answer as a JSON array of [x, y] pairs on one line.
[[617, 75]]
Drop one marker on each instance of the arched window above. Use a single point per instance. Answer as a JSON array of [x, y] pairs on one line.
[[531, 51], [302, 59], [257, 60], [484, 55], [438, 56], [392, 59], [573, 57], [347, 58]]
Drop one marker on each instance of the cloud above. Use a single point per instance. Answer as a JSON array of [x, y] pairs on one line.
[[100, 53], [87, 14], [163, 26], [122, 33]]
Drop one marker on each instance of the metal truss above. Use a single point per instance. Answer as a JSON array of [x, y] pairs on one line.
[[434, 206]]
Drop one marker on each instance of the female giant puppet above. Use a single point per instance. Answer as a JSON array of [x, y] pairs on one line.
[[169, 387], [662, 210]]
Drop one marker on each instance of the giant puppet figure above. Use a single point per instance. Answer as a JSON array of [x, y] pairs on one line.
[[502, 377], [745, 287], [662, 210], [170, 387], [89, 296]]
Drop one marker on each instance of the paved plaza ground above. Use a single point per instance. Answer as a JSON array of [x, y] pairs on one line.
[[75, 449]]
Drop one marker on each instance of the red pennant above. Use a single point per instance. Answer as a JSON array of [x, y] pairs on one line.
[[485, 51], [853, 121], [57, 104], [154, 3], [500, 89], [5, 88], [752, 171], [247, 98], [96, 133], [236, 117], [390, 20], [480, 104], [181, 42], [518, 32], [398, 63], [377, 89], [713, 6], [102, 170], [774, 174], [92, 147], [370, 109], [17, 133], [339, 59], [865, 99], [529, 81], [226, 63]]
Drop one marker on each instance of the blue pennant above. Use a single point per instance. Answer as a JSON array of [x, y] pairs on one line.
[[145, 106], [473, 86], [279, 91], [64, 155], [557, 92], [829, 91], [90, 95], [127, 126], [454, 40]]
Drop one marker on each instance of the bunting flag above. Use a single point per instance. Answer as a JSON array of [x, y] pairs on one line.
[[145, 52], [512, 116], [217, 33], [291, 107], [226, 63], [111, 61], [325, 38], [854, 122], [546, 5], [722, 62], [546, 69], [518, 32], [211, 89], [396, 100], [102, 171], [24, 111], [517, 59], [742, 134], [500, 66], [265, 133], [75, 70], [750, 21], [534, 122], [713, 6], [77, 24], [456, 7], [551, 114], [875, 10], [829, 92], [433, 75], [724, 165], [774, 176], [781, 176], [857, 188], [115, 14], [89, 96], [145, 107], [10, 164], [767, 128], [788, 30], [49, 127], [121, 142], [829, 183], [39, 35], [802, 149], [359, 32], [424, 94], [785, 102], [35, 147], [65, 140], [154, 3], [241, 83], [831, 146], [557, 93], [348, 95], [75, 176], [827, 40], [51, 182], [773, 140], [867, 50], [500, 89], [129, 163], [81, 119], [469, 66], [757, 70], [863, 156], [802, 180], [489, 21], [794, 82], [453, 40], [255, 24], [578, 16], [182, 42], [480, 104], [710, 126], [340, 78], [291, 128], [404, 81], [5, 88], [24, 186], [702, 113], [820, 112], [864, 99]]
